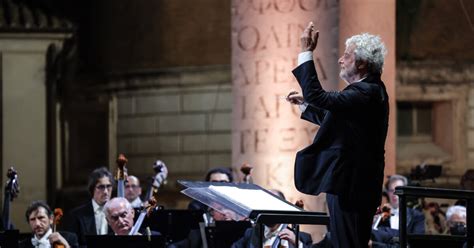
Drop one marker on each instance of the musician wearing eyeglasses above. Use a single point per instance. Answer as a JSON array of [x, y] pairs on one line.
[[277, 235], [385, 227], [40, 218], [89, 218]]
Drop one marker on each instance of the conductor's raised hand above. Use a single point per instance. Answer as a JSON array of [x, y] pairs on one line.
[[309, 38]]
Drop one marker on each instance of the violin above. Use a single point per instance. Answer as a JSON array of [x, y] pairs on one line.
[[276, 243], [58, 214], [246, 169], [382, 215], [12, 189], [121, 175]]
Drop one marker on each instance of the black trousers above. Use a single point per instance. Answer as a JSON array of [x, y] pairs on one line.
[[350, 222]]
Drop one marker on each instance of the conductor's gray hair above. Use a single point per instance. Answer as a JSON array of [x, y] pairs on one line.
[[369, 48]]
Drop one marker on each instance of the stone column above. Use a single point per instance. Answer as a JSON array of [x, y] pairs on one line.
[[375, 17], [23, 123], [267, 131]]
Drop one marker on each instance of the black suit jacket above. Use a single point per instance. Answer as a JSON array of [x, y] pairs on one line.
[[81, 221], [251, 239], [346, 157], [415, 225], [71, 238]]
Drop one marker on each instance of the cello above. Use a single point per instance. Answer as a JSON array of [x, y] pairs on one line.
[[246, 169], [121, 175], [12, 189]]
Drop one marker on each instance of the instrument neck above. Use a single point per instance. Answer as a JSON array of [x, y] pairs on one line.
[[277, 241], [121, 188], [6, 211], [149, 191]]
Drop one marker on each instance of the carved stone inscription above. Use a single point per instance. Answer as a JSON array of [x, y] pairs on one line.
[[267, 130]]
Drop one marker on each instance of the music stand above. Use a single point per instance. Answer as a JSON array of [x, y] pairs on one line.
[[100, 241], [251, 201], [174, 224], [225, 233]]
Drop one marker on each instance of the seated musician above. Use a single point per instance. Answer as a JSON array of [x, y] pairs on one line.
[[286, 237], [456, 218], [119, 214], [385, 229], [40, 217], [133, 190], [219, 174], [89, 218]]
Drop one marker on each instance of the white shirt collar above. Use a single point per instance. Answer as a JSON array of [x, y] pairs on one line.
[[362, 79], [43, 242], [136, 203], [96, 206]]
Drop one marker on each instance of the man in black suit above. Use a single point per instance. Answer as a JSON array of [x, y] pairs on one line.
[[89, 218], [385, 231], [218, 174], [40, 217], [286, 236], [346, 159]]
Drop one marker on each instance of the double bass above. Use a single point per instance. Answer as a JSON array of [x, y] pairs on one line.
[[246, 169], [12, 189], [161, 173], [121, 175]]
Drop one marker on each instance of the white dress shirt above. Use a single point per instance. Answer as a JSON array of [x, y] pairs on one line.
[[137, 203], [100, 220], [271, 236], [43, 242]]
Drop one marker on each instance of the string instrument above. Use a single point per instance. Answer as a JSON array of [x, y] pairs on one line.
[[58, 214], [382, 215], [246, 169], [121, 176], [12, 189], [276, 242], [146, 211], [161, 173]]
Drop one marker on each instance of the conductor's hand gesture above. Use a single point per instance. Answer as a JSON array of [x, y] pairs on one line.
[[309, 38]]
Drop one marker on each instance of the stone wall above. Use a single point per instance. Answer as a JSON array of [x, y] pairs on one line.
[[452, 85], [181, 116]]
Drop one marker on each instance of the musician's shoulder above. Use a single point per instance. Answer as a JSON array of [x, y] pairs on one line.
[[83, 208]]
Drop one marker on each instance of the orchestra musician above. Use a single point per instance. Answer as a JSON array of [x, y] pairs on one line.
[[119, 214], [218, 174], [386, 224], [133, 190], [277, 235], [40, 218], [89, 218]]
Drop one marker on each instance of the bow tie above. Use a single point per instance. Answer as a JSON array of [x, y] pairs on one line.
[[42, 243]]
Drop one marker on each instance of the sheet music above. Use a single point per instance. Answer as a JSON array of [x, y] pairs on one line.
[[253, 199]]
